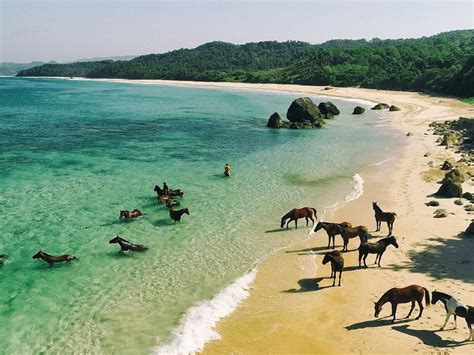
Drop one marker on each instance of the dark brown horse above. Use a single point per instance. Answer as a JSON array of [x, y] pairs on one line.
[[128, 215], [413, 293], [348, 233], [171, 203], [331, 230], [376, 248], [381, 216], [176, 214], [172, 193], [337, 264], [125, 245], [296, 213], [51, 259]]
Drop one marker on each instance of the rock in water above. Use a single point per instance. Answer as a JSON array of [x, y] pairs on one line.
[[394, 108], [447, 165], [380, 106], [303, 110], [275, 121], [358, 110], [450, 188], [328, 109], [470, 229]]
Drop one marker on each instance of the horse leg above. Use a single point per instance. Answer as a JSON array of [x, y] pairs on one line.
[[312, 220], [360, 257], [420, 304], [394, 311], [448, 315], [380, 257], [287, 223], [340, 274], [365, 257], [411, 309], [455, 321], [296, 223]]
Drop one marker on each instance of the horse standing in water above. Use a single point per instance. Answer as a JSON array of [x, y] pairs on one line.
[[381, 216], [337, 264], [171, 193], [456, 308], [51, 259], [176, 214], [378, 248], [2, 258], [413, 293], [296, 213], [347, 233], [130, 215], [125, 245], [331, 230]]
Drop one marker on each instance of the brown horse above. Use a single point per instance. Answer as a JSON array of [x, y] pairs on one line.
[[172, 193], [171, 203], [51, 259], [381, 216], [125, 245], [403, 295], [378, 248], [348, 233], [332, 230], [296, 213], [128, 215], [176, 214], [337, 264]]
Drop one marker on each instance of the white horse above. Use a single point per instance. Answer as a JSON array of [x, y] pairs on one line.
[[456, 308]]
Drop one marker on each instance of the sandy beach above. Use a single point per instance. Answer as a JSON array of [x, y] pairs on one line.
[[292, 307]]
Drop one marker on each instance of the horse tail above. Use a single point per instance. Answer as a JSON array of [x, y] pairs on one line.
[[315, 212], [427, 296]]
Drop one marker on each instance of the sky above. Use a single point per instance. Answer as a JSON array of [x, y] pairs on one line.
[[65, 30]]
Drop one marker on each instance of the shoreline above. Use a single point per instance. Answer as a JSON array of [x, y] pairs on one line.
[[306, 322]]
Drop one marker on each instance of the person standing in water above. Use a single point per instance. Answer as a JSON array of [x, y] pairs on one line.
[[166, 190], [227, 170]]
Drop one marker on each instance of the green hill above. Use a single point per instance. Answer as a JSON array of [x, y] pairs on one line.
[[440, 64]]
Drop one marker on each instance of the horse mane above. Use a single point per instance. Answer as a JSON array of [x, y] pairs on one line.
[[376, 207], [384, 298], [445, 295]]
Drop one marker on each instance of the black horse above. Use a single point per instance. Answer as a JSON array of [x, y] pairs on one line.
[[376, 248], [381, 216], [176, 214]]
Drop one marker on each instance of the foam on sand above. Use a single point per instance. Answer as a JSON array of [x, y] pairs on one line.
[[357, 188]]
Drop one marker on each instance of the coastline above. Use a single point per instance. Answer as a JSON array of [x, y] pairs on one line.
[[280, 316]]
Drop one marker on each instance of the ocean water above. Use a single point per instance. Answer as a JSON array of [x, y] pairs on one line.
[[75, 153]]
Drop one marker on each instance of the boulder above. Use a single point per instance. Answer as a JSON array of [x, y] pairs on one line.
[[328, 109], [470, 229], [458, 202], [427, 154], [380, 106], [440, 213], [394, 108], [450, 188], [455, 175], [432, 203], [469, 208], [409, 134], [358, 110], [302, 110], [446, 165], [275, 121], [468, 196], [451, 139]]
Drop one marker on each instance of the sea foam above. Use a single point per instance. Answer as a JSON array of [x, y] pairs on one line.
[[197, 325], [357, 188]]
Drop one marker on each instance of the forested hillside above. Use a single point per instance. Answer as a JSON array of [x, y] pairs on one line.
[[440, 64]]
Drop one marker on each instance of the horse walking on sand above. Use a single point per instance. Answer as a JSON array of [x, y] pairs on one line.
[[130, 215], [456, 308], [378, 248], [412, 293], [51, 259], [331, 230], [348, 233], [125, 245], [296, 213], [176, 214], [381, 216], [337, 264]]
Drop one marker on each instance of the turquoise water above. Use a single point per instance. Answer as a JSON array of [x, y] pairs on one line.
[[74, 153]]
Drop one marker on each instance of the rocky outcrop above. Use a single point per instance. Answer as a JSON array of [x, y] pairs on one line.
[[394, 108], [303, 110], [470, 229], [380, 106], [358, 110], [468, 196], [446, 165], [455, 175], [328, 109], [275, 121], [449, 189], [451, 139]]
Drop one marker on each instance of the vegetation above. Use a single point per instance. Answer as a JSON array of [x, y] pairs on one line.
[[442, 63]]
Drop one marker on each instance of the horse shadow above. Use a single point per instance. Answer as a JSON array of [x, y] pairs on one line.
[[428, 337], [163, 223], [307, 250], [308, 285], [379, 322], [276, 230]]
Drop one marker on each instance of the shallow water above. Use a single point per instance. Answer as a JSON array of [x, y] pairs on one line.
[[74, 153]]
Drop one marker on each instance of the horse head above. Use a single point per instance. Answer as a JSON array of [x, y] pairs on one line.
[[185, 210], [374, 205], [115, 240], [435, 297], [38, 255], [326, 259], [377, 308], [124, 214], [318, 226], [394, 241]]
